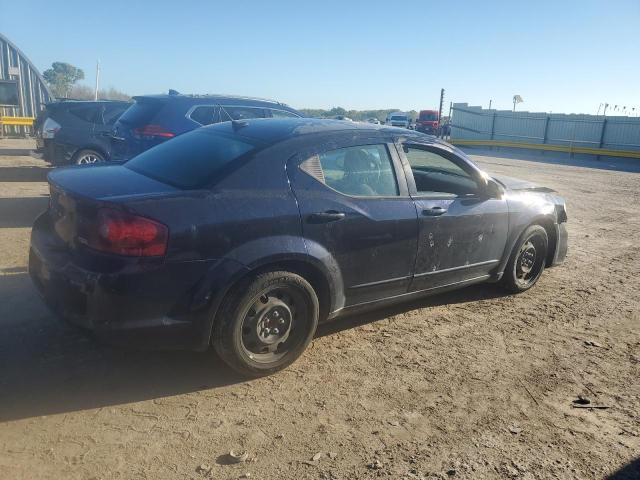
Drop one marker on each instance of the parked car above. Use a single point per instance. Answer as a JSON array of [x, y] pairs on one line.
[[247, 234], [343, 118], [373, 120], [398, 119], [153, 119], [69, 132]]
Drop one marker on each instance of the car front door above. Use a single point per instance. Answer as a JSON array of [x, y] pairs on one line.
[[463, 229], [355, 207]]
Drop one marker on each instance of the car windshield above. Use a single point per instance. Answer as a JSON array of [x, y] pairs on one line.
[[192, 160], [399, 118], [428, 116]]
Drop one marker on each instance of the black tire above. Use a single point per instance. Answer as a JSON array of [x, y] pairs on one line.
[[527, 260], [87, 157], [280, 302]]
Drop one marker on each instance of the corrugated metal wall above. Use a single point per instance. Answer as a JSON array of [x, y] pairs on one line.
[[32, 90], [476, 123]]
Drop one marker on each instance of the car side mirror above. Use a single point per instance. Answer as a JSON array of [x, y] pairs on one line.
[[493, 189]]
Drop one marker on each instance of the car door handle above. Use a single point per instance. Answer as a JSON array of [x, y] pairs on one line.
[[325, 217], [433, 212]]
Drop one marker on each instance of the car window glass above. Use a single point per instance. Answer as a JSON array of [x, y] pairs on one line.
[[282, 114], [203, 115], [192, 160], [88, 113], [435, 174], [240, 113], [112, 113], [365, 170]]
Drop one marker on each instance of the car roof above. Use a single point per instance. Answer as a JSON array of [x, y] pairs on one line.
[[236, 100], [274, 130]]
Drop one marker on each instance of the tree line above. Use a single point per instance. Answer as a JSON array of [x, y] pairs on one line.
[[62, 79]]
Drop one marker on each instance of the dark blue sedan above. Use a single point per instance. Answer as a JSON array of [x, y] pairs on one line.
[[244, 235]]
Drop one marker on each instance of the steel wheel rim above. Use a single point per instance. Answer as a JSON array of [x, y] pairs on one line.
[[88, 158], [273, 324], [528, 264]]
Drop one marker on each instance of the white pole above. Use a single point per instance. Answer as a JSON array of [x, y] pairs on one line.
[[95, 96]]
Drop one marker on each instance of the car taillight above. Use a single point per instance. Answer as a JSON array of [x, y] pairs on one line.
[[50, 128], [152, 131], [126, 234]]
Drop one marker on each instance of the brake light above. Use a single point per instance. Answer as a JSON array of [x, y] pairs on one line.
[[126, 234], [50, 128], [152, 131]]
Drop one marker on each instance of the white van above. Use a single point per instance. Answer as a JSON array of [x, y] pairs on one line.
[[398, 119]]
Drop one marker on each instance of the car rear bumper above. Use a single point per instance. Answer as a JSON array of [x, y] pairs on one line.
[[158, 305]]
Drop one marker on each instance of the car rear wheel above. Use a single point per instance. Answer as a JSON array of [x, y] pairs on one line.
[[527, 260], [266, 323], [86, 157]]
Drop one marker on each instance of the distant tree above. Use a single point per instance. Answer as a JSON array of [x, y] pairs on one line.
[[61, 77], [337, 111], [84, 92]]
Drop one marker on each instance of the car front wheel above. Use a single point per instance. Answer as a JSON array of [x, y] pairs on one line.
[[527, 260], [266, 322]]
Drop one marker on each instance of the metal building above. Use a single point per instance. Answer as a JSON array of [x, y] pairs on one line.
[[23, 91]]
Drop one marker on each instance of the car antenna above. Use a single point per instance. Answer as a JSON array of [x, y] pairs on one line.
[[236, 124]]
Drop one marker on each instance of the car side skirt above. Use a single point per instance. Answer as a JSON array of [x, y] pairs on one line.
[[361, 307]]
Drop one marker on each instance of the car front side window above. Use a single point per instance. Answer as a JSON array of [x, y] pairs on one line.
[[360, 171], [434, 174]]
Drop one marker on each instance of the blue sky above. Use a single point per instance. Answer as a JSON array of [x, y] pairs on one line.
[[560, 56]]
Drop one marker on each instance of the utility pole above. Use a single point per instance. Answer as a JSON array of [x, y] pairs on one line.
[[440, 112], [95, 96], [490, 101]]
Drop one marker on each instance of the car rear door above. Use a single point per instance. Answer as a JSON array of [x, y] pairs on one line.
[[463, 231], [355, 207], [108, 114]]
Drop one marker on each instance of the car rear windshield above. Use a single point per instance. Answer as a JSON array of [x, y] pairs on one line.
[[142, 112], [192, 160]]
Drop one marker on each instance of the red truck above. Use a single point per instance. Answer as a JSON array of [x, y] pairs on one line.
[[427, 121]]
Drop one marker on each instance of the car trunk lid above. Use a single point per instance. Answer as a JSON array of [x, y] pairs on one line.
[[77, 193]]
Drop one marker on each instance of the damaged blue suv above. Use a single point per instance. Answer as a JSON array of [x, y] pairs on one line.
[[245, 235]]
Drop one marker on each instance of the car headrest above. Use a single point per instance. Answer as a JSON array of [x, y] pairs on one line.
[[356, 160]]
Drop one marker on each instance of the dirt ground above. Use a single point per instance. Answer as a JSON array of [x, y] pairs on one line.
[[474, 384]]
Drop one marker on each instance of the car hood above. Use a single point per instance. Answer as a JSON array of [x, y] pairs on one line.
[[515, 184]]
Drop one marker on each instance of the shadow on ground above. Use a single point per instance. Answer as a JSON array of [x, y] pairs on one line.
[[631, 471], [630, 165], [16, 152], [27, 173], [21, 211], [47, 367]]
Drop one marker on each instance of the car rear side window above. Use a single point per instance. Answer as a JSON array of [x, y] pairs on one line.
[[192, 160], [240, 113], [204, 115], [87, 113], [112, 113], [362, 171]]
